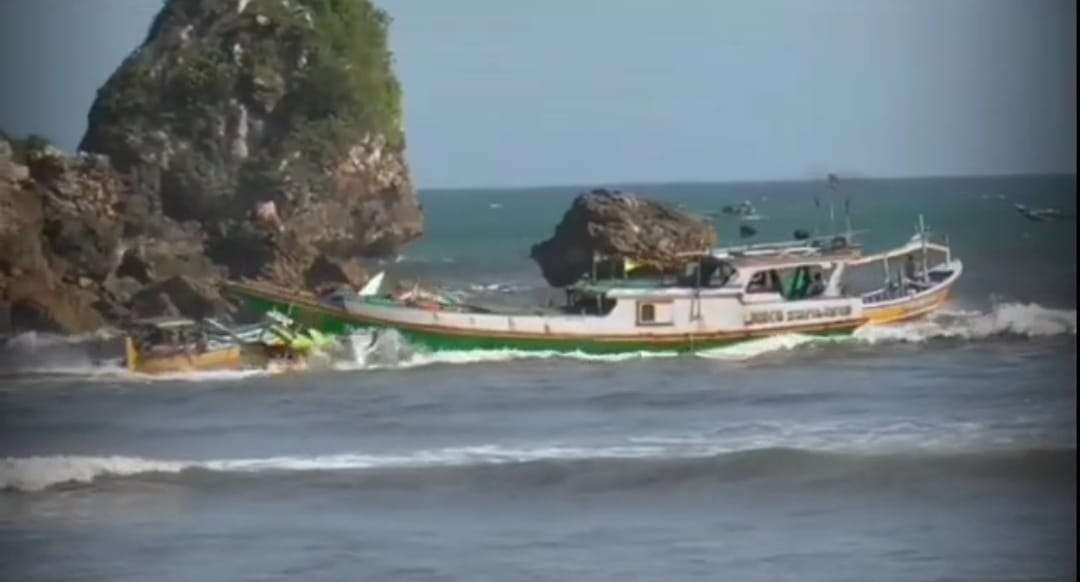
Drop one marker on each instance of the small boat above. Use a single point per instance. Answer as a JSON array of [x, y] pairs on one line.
[[176, 345], [746, 231], [1040, 214], [744, 209], [702, 300], [169, 345]]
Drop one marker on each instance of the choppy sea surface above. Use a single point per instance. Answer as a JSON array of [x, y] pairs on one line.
[[942, 449]]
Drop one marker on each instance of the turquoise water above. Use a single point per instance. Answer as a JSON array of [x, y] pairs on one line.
[[484, 236]]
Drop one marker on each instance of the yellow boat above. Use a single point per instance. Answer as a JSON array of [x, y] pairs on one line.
[[170, 345]]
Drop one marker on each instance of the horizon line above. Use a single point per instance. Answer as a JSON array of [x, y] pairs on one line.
[[692, 182]]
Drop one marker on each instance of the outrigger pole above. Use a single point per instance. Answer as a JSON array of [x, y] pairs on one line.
[[922, 239], [834, 186], [847, 218]]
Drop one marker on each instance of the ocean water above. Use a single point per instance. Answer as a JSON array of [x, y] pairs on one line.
[[942, 449]]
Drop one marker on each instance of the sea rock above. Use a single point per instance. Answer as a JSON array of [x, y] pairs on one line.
[[80, 198], [606, 223], [147, 305], [181, 296], [11, 171], [44, 283], [76, 245], [226, 107], [326, 271], [37, 302], [21, 217], [259, 139], [120, 289]]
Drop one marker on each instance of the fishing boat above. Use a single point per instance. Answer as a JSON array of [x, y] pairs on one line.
[[703, 300], [1040, 214], [744, 210], [170, 345], [176, 345]]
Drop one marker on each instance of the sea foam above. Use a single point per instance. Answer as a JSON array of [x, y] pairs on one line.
[[56, 355], [388, 350], [869, 437]]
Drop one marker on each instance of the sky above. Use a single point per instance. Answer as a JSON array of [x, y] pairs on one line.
[[501, 93]]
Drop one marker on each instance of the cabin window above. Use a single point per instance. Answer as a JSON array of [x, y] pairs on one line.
[[647, 313], [588, 303], [765, 282], [794, 283], [655, 312]]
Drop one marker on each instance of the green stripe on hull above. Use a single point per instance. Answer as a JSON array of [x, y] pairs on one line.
[[330, 323]]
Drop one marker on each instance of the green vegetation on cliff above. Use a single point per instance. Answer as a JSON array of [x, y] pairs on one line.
[[285, 113], [317, 72]]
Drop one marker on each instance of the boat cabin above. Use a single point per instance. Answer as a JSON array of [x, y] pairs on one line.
[[169, 334], [659, 292]]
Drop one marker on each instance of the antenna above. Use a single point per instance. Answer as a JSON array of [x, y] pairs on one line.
[[922, 237], [834, 186], [847, 218]]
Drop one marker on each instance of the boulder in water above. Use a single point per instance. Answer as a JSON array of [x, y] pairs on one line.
[[612, 224]]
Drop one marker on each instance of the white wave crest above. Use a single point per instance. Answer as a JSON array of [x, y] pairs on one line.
[[387, 349], [114, 371], [759, 347], [33, 340], [36, 473], [1006, 319], [864, 436]]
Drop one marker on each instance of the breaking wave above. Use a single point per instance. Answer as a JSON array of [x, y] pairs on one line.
[[92, 354], [1006, 319], [46, 354], [33, 340], [389, 350], [29, 474]]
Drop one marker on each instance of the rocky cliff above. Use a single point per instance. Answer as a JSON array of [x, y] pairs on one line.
[[77, 251], [244, 138], [605, 223]]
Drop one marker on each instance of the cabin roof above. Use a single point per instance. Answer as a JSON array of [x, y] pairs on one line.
[[165, 322], [792, 259], [910, 248]]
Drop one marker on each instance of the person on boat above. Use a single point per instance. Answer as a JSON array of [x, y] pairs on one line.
[[909, 270], [757, 283], [765, 282], [775, 286], [817, 287]]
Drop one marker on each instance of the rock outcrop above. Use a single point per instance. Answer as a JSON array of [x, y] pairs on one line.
[[246, 139], [233, 107], [73, 255], [610, 224]]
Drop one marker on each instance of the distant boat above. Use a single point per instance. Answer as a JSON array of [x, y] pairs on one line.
[[1040, 214], [744, 210]]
